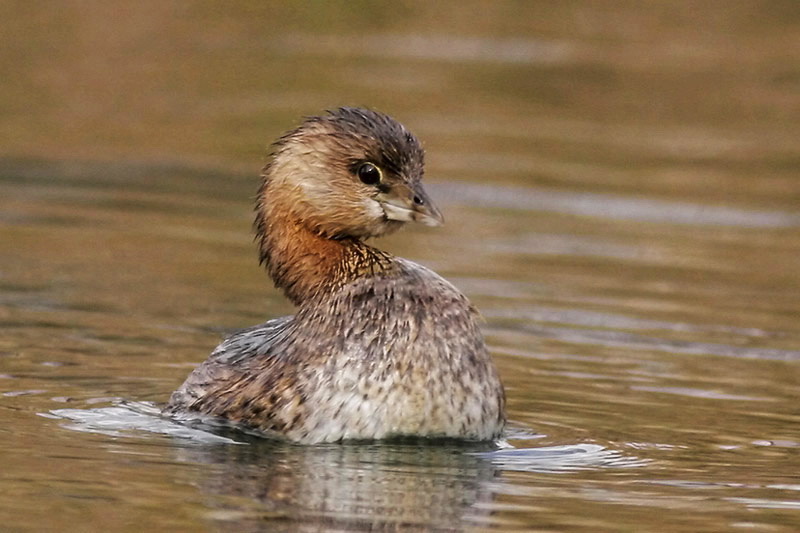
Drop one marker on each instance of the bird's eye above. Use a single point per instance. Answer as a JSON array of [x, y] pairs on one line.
[[369, 174]]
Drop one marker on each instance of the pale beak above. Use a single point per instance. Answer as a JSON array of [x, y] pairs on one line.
[[410, 203]]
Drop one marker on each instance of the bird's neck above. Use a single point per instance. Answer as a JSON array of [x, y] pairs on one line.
[[307, 265]]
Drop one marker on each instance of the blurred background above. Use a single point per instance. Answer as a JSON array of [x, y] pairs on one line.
[[620, 184], [687, 100]]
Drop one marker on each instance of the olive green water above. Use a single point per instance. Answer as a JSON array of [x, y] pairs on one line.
[[622, 194]]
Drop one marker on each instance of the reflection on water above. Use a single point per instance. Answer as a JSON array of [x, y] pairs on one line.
[[348, 487], [356, 486]]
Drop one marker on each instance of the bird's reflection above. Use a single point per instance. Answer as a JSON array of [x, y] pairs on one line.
[[350, 487], [255, 484]]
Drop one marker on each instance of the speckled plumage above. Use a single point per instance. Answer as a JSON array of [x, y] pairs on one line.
[[379, 346]]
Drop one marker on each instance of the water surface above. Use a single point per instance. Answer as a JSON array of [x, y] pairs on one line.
[[621, 193]]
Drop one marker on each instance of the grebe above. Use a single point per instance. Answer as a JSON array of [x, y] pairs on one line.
[[380, 346]]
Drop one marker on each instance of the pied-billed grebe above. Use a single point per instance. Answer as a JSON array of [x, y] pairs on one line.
[[380, 346]]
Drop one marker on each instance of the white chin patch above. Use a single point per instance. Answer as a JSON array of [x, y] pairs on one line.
[[373, 209], [394, 212]]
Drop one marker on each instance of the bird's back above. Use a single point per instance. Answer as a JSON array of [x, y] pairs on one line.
[[399, 353]]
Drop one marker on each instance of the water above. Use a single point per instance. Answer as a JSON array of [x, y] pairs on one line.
[[621, 193]]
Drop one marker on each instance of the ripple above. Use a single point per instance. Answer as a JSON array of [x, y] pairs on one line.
[[760, 503], [700, 393], [610, 206], [620, 339], [562, 245], [561, 459], [11, 394], [127, 418], [580, 317]]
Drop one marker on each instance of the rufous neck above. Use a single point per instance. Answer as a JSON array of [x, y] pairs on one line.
[[307, 265]]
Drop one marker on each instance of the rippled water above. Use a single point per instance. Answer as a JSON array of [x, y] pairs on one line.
[[621, 192]]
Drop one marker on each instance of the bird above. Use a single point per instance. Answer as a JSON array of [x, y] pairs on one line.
[[379, 347]]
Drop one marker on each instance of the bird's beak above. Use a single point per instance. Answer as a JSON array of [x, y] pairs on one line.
[[410, 203]]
